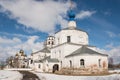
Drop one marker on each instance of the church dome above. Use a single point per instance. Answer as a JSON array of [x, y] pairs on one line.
[[16, 54], [72, 22], [21, 51], [71, 15]]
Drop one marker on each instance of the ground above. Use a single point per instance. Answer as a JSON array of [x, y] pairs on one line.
[[10, 75], [47, 76], [29, 75]]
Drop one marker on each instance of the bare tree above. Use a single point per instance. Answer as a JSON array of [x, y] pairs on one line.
[[111, 64]]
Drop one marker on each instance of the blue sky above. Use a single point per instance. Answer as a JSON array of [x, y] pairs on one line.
[[27, 24]]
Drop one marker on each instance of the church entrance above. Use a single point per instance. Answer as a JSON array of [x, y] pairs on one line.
[[55, 67]]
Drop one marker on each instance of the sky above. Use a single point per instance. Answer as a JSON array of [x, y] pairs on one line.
[[26, 24]]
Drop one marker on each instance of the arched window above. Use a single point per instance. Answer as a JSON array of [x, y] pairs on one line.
[[52, 43], [82, 62], [61, 64], [59, 53], [70, 64], [58, 41], [68, 39], [39, 66], [31, 61], [49, 43], [99, 62]]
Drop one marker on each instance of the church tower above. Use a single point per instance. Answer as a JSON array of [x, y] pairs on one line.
[[50, 42], [71, 34]]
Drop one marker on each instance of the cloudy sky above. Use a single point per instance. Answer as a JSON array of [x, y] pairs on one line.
[[26, 24]]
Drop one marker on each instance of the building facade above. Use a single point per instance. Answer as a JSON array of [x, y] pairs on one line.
[[69, 50]]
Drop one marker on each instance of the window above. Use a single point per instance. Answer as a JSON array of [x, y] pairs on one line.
[[68, 39], [55, 54], [31, 62], [70, 64], [61, 64], [52, 43], [49, 43], [39, 66], [58, 41], [59, 54], [99, 62], [82, 62]]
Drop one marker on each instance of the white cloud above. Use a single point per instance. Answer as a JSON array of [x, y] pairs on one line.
[[109, 46], [84, 14], [39, 15], [112, 52], [111, 34], [9, 41], [10, 47]]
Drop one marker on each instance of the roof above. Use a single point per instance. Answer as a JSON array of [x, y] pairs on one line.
[[72, 44], [48, 58], [71, 29], [84, 50], [45, 50], [38, 61]]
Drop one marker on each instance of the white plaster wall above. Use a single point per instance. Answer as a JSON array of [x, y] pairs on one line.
[[78, 37], [61, 51], [46, 66], [30, 65], [90, 60], [40, 55], [36, 67], [51, 66]]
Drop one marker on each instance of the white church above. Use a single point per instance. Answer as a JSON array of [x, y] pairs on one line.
[[69, 51]]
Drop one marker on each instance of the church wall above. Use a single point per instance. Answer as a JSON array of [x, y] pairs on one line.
[[30, 65], [78, 37], [57, 52], [61, 51], [91, 61], [38, 67], [70, 48], [40, 55], [51, 64]]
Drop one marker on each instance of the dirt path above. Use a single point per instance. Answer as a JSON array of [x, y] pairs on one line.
[[29, 76]]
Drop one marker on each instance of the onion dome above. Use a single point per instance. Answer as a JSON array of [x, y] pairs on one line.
[[21, 51], [16, 54], [71, 15], [72, 22]]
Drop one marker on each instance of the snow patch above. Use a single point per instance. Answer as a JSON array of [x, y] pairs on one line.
[[20, 69], [45, 76], [10, 75]]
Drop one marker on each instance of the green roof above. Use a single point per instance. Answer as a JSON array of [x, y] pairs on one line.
[[72, 44], [44, 50], [49, 59], [84, 50]]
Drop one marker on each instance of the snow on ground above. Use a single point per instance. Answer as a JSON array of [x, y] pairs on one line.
[[116, 70], [10, 75], [46, 76], [20, 69]]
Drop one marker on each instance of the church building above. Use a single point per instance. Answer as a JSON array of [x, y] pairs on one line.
[[69, 51]]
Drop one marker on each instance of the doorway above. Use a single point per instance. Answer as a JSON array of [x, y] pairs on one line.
[[55, 67]]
